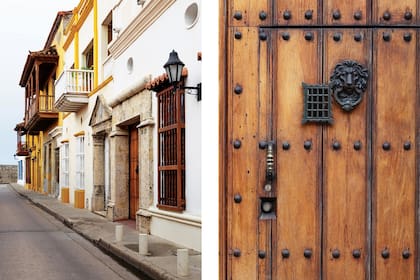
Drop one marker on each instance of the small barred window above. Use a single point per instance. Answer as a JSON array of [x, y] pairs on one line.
[[317, 104]]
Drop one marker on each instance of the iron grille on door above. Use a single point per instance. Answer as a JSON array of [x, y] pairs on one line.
[[171, 152], [317, 104]]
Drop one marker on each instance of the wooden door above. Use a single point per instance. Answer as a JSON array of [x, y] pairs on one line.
[[134, 171], [321, 177]]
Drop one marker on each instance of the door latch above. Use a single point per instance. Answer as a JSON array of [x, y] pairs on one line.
[[269, 170]]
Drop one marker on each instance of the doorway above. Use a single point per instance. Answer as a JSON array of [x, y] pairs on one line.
[[133, 171]]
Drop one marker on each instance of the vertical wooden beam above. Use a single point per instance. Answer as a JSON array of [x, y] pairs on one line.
[[297, 60], [346, 182], [394, 169], [222, 140]]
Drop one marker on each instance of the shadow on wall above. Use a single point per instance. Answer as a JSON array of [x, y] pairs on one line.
[[8, 174]]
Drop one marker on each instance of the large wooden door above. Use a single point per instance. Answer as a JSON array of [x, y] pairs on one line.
[[134, 171], [321, 140]]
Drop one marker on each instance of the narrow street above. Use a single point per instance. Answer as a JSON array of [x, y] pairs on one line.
[[34, 245]]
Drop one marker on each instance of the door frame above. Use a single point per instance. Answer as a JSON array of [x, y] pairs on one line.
[[223, 114]]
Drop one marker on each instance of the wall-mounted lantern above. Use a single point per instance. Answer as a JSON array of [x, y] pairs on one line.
[[173, 68]]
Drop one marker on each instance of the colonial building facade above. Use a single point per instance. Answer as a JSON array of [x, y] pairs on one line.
[[127, 145]]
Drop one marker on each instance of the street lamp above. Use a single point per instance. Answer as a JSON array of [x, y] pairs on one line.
[[173, 68]]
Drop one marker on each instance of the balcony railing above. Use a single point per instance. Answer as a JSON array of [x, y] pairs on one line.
[[72, 89], [74, 81], [44, 104], [22, 149]]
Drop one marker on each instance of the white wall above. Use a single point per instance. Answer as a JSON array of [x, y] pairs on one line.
[[79, 121], [85, 37], [149, 54], [210, 141], [125, 12]]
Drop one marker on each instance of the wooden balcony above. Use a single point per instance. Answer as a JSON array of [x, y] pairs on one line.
[[22, 149], [40, 113], [37, 78], [72, 89]]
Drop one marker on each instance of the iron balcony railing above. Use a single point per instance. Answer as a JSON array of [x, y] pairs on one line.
[[74, 81]]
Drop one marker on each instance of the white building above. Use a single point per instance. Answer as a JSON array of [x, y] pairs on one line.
[[128, 149]]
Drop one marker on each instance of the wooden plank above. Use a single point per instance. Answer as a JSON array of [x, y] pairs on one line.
[[265, 133], [298, 184], [395, 170], [396, 10], [348, 11], [249, 11], [345, 169], [298, 11], [242, 218], [222, 140]]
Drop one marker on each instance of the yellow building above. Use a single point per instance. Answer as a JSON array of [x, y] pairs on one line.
[[42, 121]]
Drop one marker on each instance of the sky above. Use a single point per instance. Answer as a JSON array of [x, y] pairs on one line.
[[26, 25]]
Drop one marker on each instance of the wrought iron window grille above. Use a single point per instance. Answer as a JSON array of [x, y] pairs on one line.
[[317, 104]]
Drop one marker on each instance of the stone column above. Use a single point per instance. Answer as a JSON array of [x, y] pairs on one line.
[[118, 206], [146, 165], [98, 195]]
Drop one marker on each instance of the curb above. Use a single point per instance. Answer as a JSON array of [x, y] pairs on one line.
[[143, 266]]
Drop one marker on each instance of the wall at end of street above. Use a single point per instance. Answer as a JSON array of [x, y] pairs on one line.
[[8, 174]]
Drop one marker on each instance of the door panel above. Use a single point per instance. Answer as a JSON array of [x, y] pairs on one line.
[[248, 100], [298, 182], [395, 168], [266, 227], [305, 12], [394, 12], [355, 12], [250, 13], [344, 167]]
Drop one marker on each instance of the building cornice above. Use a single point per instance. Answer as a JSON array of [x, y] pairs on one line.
[[140, 24]]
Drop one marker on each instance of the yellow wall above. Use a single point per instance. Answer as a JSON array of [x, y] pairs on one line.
[[36, 156]]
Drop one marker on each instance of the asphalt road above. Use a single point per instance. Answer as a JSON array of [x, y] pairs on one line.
[[34, 245]]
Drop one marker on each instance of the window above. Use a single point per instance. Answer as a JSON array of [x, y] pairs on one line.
[[171, 150], [107, 32], [20, 169], [88, 56], [317, 104], [80, 163], [65, 165]]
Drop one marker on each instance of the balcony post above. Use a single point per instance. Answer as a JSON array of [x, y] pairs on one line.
[[36, 88]]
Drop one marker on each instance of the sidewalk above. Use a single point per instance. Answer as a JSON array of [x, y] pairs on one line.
[[161, 263]]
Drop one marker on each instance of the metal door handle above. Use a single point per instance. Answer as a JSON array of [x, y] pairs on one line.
[[270, 170], [269, 175]]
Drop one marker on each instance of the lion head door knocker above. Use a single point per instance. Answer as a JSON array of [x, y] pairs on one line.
[[348, 83]]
